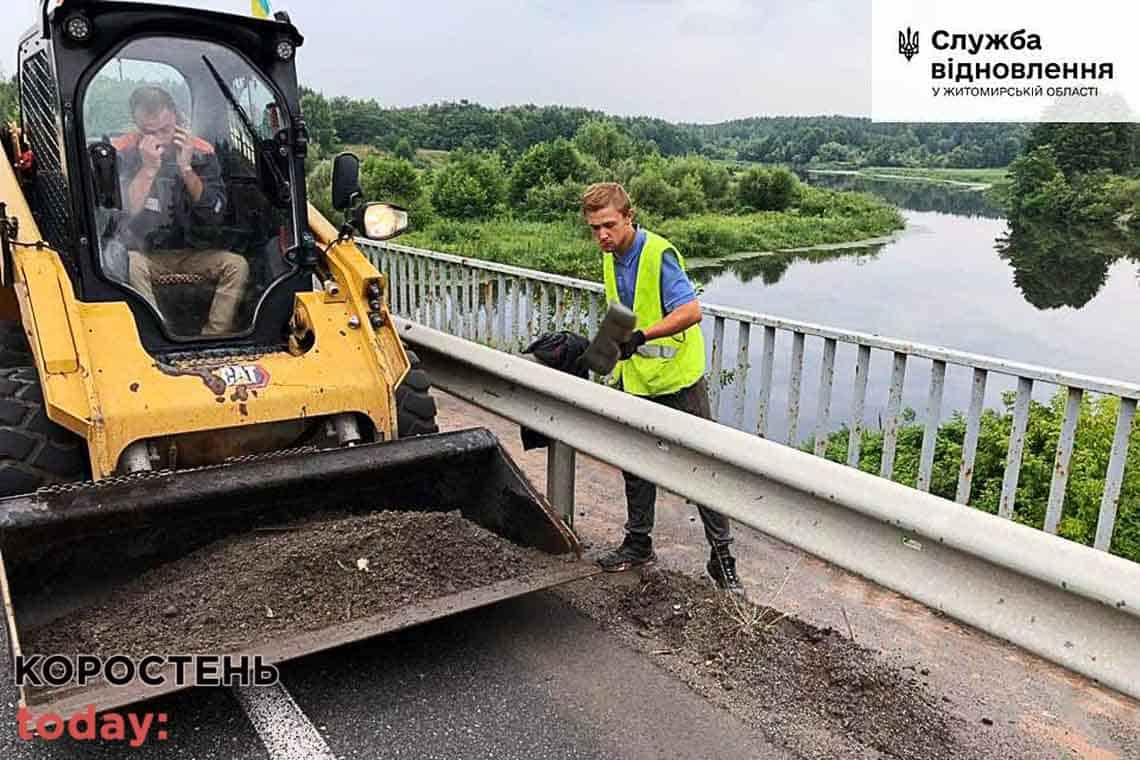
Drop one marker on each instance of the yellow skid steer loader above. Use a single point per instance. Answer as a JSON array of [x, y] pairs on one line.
[[190, 348]]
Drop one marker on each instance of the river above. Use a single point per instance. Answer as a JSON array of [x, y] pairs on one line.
[[948, 279]]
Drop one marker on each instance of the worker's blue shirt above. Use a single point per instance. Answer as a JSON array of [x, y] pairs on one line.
[[676, 290]]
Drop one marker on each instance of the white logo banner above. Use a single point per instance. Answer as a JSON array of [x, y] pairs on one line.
[[1005, 60]]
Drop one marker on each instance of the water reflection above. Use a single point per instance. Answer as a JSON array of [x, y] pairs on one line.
[[1057, 266], [771, 267], [1053, 265], [914, 195]]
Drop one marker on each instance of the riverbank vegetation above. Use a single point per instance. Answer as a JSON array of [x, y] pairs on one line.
[[525, 210], [1072, 200], [1077, 174], [1088, 466]]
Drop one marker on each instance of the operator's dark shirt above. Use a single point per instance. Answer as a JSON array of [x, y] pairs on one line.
[[170, 218]]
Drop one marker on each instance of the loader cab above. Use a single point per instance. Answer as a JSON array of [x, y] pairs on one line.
[[170, 167]]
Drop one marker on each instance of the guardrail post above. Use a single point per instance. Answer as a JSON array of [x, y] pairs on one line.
[[560, 466]]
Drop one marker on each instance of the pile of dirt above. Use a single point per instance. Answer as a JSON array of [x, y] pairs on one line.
[[245, 590], [795, 681]]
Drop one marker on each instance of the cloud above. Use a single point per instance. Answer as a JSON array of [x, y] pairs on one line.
[[685, 60]]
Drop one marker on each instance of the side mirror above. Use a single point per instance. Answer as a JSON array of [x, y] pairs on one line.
[[380, 221], [345, 181], [105, 175]]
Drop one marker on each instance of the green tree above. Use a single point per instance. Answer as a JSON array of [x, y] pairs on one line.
[[604, 141], [545, 163], [470, 186], [1082, 148], [555, 200], [319, 121], [767, 189], [691, 196], [392, 180], [9, 100], [448, 126], [1037, 187], [1074, 173], [713, 179], [833, 152], [318, 184], [404, 149], [651, 192]]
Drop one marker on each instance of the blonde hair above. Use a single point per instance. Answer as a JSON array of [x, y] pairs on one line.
[[603, 195]]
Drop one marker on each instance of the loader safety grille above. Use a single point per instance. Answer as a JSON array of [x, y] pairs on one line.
[[211, 357], [135, 478], [39, 104]]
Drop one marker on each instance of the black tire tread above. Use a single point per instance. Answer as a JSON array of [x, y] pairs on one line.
[[34, 451], [415, 407], [14, 348]]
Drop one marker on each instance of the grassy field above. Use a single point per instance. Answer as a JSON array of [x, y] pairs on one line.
[[970, 176], [434, 158], [431, 158]]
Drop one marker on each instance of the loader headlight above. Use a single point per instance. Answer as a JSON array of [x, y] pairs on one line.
[[78, 27], [285, 50], [380, 221]]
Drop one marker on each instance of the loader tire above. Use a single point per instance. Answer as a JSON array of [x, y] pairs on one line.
[[34, 451], [415, 408], [14, 348]]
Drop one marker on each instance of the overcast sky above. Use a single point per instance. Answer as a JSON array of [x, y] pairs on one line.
[[683, 60]]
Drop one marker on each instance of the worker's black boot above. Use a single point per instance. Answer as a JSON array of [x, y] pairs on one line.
[[633, 552], [722, 569]]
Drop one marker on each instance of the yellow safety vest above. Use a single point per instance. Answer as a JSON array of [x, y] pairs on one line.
[[664, 365]]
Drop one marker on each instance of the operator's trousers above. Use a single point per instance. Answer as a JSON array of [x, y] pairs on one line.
[[228, 271], [641, 495]]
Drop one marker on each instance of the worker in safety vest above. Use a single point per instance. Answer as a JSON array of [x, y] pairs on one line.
[[663, 361]]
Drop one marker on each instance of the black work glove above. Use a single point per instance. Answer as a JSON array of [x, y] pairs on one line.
[[629, 348]]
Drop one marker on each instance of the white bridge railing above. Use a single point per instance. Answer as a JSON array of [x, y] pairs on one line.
[[758, 388]]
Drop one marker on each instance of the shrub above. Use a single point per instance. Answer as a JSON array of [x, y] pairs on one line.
[[470, 186], [767, 189]]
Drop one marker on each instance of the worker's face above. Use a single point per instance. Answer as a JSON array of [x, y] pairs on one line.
[[160, 125], [613, 229]]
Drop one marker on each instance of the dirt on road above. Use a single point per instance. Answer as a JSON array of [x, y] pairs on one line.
[[812, 690]]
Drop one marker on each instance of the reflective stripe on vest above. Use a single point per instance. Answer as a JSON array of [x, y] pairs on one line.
[[656, 352], [664, 365]]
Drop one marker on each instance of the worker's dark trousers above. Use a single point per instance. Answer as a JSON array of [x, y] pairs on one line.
[[641, 495]]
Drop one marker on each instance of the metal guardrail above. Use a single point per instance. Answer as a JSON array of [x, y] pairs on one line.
[[1067, 603], [506, 307]]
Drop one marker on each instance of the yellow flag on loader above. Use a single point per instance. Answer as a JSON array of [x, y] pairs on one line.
[[261, 8]]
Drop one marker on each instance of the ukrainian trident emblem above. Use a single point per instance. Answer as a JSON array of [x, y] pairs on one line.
[[908, 43]]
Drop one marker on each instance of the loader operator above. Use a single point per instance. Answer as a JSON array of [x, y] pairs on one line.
[[175, 198], [663, 361]]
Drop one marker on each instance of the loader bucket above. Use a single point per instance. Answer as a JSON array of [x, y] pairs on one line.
[[63, 549]]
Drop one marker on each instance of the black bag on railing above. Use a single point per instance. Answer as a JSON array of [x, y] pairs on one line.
[[561, 351]]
